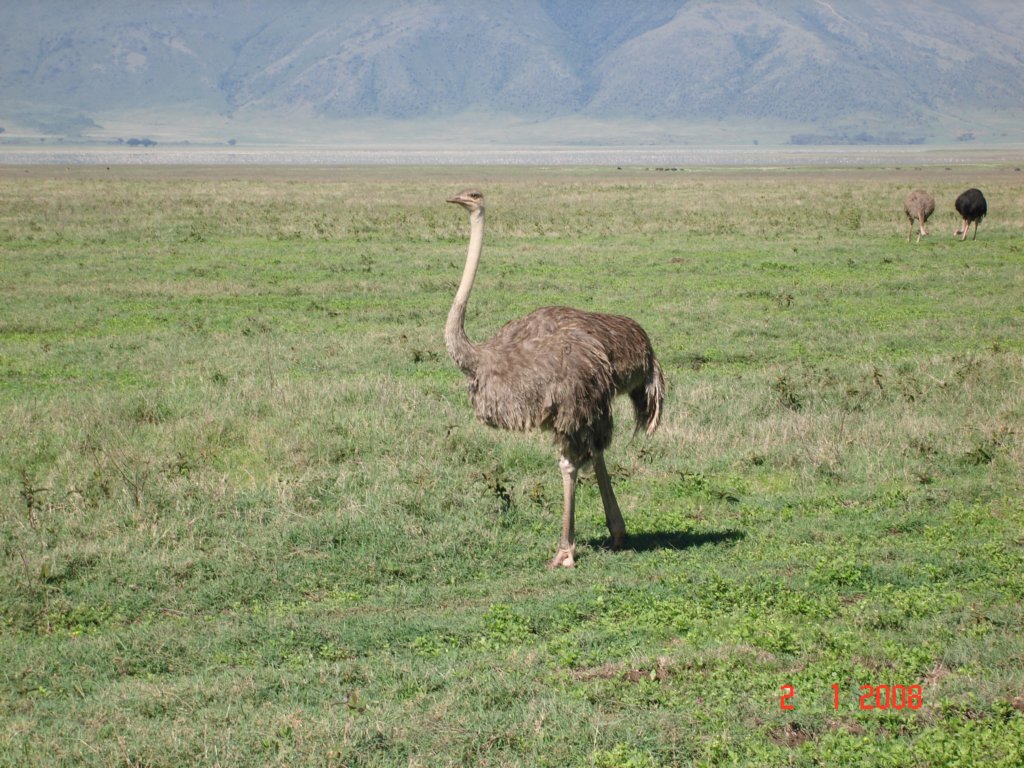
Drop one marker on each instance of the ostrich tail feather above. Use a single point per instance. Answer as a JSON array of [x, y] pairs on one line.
[[648, 398]]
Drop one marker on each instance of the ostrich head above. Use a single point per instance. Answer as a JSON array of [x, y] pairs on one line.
[[470, 199]]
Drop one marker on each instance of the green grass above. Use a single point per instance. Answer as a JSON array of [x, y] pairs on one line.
[[247, 517]]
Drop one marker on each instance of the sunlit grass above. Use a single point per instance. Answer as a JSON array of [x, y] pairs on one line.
[[248, 518]]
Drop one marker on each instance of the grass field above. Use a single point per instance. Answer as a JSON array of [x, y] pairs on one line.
[[247, 517]]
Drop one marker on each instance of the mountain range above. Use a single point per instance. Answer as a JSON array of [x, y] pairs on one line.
[[585, 71]]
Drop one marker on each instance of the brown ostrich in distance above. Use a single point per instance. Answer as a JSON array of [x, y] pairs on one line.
[[557, 369], [972, 207], [919, 205]]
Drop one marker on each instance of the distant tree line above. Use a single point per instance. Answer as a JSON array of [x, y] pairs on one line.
[[137, 142], [861, 137]]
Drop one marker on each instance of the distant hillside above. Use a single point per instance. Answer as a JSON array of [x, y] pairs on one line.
[[871, 69]]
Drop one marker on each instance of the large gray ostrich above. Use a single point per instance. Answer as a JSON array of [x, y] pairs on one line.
[[919, 205], [558, 369], [972, 207]]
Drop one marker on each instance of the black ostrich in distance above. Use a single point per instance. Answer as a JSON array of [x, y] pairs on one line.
[[972, 207]]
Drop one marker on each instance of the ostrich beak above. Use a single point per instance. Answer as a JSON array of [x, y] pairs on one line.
[[469, 199]]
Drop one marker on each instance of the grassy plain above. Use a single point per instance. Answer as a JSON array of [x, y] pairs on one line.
[[247, 517]]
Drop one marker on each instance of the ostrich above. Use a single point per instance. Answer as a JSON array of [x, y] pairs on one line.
[[919, 205], [972, 207], [558, 369]]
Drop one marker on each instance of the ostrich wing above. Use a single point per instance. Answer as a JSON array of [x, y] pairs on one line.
[[540, 372]]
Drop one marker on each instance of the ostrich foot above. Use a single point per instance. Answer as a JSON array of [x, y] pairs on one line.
[[564, 558], [618, 540]]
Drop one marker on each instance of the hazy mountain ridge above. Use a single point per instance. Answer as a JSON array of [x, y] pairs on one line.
[[816, 64]]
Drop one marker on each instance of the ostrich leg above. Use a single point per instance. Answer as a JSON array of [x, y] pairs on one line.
[[565, 556], [612, 515]]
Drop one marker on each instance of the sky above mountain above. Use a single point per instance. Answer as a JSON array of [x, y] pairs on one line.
[[846, 70]]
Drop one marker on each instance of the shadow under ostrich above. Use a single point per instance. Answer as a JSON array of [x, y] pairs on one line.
[[918, 205], [557, 369], [972, 208]]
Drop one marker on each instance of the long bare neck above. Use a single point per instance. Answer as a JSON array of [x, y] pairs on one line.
[[460, 348]]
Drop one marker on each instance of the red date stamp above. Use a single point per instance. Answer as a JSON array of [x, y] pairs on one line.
[[871, 697]]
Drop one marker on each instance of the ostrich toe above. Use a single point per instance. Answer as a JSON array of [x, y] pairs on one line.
[[564, 558]]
